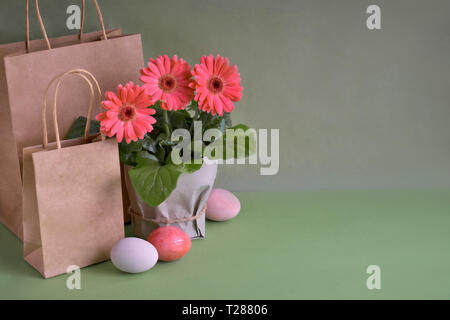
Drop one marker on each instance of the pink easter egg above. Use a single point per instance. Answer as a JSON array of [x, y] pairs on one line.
[[222, 205], [170, 242]]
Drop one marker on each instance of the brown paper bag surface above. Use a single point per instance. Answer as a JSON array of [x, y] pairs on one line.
[[72, 200], [23, 79], [11, 183], [111, 61]]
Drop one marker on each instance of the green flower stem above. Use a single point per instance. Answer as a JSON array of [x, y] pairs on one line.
[[195, 117], [166, 123]]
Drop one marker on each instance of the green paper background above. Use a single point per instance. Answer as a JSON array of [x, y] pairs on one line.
[[356, 108], [293, 245], [363, 114]]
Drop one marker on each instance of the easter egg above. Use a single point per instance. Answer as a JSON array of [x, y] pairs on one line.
[[133, 255], [222, 205], [170, 242]]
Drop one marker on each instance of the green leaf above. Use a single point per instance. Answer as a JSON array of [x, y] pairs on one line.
[[133, 146], [240, 142], [128, 158], [179, 119], [191, 167], [146, 155], [152, 181], [77, 129], [159, 117], [127, 152], [185, 167], [160, 153], [227, 118], [148, 143], [206, 118], [223, 125], [162, 136], [193, 106], [216, 122]]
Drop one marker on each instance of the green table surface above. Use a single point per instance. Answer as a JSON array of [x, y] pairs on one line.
[[282, 245]]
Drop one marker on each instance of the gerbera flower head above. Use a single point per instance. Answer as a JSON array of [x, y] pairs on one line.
[[127, 115], [168, 80], [217, 83]]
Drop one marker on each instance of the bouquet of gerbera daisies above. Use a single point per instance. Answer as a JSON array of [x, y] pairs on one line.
[[175, 101]]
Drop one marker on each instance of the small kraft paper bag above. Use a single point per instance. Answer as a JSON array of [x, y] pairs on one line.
[[72, 195], [27, 67]]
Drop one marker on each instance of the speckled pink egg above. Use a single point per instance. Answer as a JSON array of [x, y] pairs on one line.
[[222, 205], [170, 242]]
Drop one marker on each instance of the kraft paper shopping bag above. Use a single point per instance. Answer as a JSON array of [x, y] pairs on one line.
[[72, 195], [24, 74]]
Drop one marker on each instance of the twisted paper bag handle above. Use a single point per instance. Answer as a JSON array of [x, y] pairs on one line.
[[84, 74]]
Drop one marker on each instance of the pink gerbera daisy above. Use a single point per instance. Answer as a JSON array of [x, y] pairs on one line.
[[217, 84], [168, 80], [127, 115]]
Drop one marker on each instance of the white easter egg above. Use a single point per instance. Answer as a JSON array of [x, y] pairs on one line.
[[133, 255]]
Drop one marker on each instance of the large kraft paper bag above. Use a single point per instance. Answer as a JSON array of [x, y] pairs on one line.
[[24, 75], [72, 198], [184, 208]]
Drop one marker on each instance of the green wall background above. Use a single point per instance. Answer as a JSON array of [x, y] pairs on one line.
[[356, 108]]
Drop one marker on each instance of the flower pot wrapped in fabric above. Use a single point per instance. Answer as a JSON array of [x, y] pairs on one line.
[[184, 208]]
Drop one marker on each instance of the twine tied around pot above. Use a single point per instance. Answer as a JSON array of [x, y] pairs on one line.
[[166, 220]]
